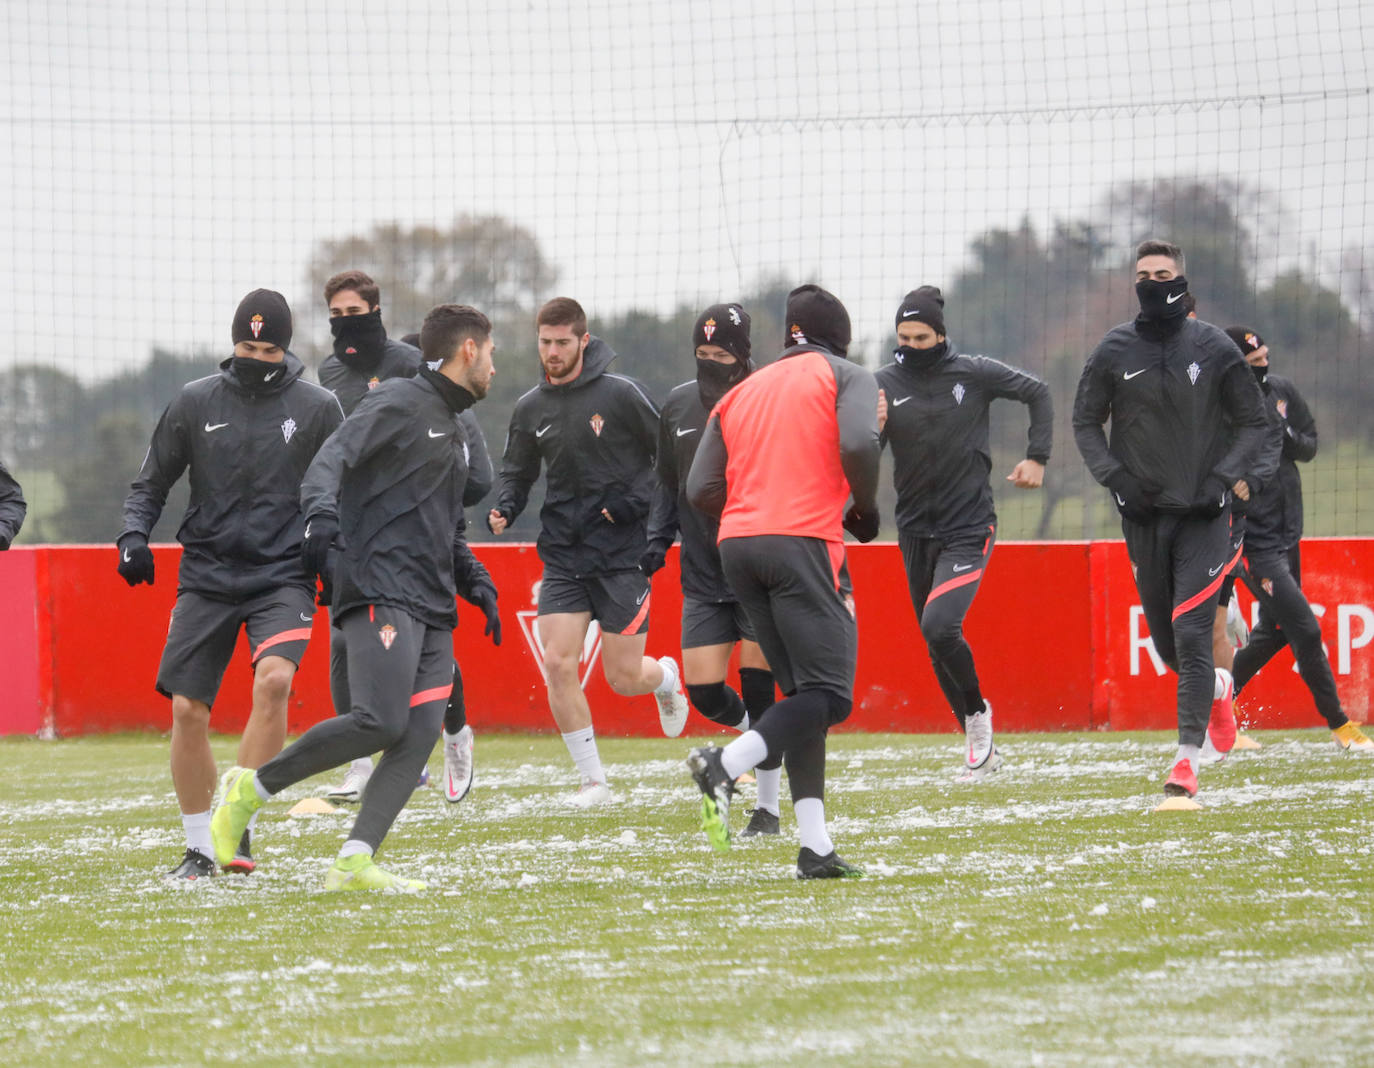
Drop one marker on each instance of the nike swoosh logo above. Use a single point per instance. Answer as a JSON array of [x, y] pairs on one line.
[[900, 402], [640, 598], [127, 557], [962, 567], [270, 375], [1120, 499], [1214, 570], [210, 429], [1128, 375], [543, 430], [910, 311], [689, 430], [437, 434], [305, 618], [1174, 299]]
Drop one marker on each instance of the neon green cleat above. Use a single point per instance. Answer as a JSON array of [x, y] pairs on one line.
[[359, 872], [238, 801]]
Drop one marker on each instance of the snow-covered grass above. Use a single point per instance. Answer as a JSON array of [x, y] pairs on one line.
[[1047, 917]]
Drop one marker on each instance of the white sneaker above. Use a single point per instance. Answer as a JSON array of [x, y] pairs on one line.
[[1237, 630], [590, 795], [352, 787], [457, 764], [672, 706], [978, 735], [983, 770]]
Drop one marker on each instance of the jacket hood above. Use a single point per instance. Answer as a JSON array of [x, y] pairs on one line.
[[292, 369], [595, 360]]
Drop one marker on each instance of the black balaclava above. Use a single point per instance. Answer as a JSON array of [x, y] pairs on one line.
[[725, 325], [816, 317], [1248, 341], [263, 315], [925, 304], [359, 340], [1161, 303]]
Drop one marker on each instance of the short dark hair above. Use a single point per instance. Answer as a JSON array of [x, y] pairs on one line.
[[1189, 304], [562, 311], [446, 328], [1154, 247], [358, 281]]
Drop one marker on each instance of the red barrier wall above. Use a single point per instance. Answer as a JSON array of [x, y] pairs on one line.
[[1055, 630]]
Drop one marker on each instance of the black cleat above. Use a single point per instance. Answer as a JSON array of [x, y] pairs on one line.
[[243, 862], [716, 789], [811, 865], [761, 821], [194, 865]]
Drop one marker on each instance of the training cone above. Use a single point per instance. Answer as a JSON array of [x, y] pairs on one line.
[[1244, 741], [1177, 804], [312, 806]]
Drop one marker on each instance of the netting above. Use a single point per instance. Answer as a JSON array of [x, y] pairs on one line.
[[649, 158]]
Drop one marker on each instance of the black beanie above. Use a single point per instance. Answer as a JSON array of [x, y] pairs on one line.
[[263, 315], [726, 325], [817, 317], [924, 304], [1245, 338]]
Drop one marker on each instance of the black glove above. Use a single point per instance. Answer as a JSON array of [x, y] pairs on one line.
[[325, 597], [863, 526], [484, 597], [1135, 499], [620, 510], [1211, 498], [135, 559], [652, 560], [320, 532], [4, 542]]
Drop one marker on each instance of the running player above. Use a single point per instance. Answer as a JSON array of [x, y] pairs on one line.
[[1273, 559], [363, 358], [1187, 424], [390, 482], [247, 436], [12, 508], [780, 455], [936, 421], [713, 621], [596, 433]]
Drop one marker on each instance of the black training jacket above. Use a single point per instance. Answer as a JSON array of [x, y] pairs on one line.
[[247, 451], [937, 428], [1274, 519], [400, 360], [596, 437], [12, 505], [1183, 408], [394, 476], [679, 433]]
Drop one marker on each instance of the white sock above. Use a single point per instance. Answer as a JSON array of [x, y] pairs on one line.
[[363, 766], [743, 753], [353, 847], [770, 787], [449, 739], [1190, 753], [743, 725], [197, 827], [1223, 680], [669, 681], [811, 826], [262, 790], [582, 748]]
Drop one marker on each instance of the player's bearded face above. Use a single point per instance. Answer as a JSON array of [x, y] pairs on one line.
[[560, 351]]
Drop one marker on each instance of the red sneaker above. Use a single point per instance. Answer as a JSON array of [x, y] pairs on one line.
[[1182, 781], [1221, 727]]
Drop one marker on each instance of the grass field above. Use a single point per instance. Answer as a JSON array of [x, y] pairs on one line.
[[1047, 917]]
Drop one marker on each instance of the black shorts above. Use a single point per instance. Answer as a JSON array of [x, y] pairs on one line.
[[618, 600], [714, 623], [202, 634]]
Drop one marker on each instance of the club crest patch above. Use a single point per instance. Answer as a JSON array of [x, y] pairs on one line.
[[596, 424], [709, 328], [1267, 585], [255, 324], [1193, 371], [798, 335], [958, 393], [387, 634], [1282, 406], [288, 428], [373, 382]]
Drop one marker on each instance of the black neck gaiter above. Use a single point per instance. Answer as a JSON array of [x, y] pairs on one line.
[[921, 360], [359, 340], [255, 374], [1162, 310], [714, 380], [455, 396]]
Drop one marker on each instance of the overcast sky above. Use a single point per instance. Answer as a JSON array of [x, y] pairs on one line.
[[163, 159]]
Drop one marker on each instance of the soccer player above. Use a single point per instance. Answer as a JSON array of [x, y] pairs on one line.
[[780, 455], [595, 432], [12, 508], [364, 357], [390, 482], [936, 401], [1187, 424], [713, 621], [1273, 559], [247, 435]]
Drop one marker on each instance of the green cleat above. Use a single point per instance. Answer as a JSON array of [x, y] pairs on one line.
[[238, 801], [716, 789], [359, 872]]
